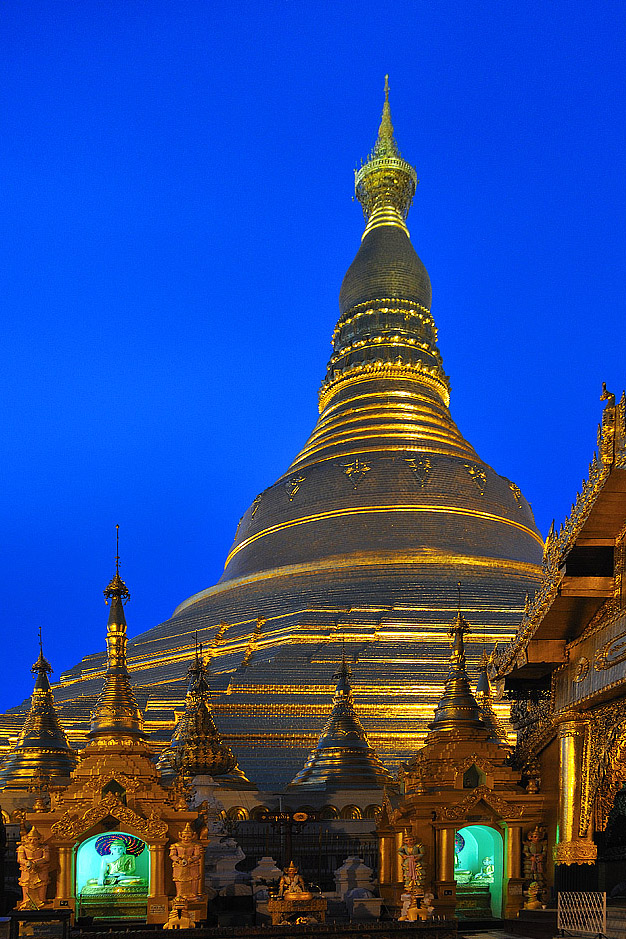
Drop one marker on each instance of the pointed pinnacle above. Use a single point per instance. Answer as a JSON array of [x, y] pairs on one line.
[[385, 144]]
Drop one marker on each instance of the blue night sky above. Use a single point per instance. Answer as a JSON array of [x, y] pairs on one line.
[[177, 219]]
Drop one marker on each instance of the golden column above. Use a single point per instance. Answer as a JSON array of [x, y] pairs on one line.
[[65, 877], [514, 896], [445, 853], [574, 846], [445, 885], [157, 874], [396, 864], [386, 847]]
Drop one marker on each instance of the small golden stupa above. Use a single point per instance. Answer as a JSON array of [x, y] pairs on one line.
[[41, 751], [343, 758], [196, 748]]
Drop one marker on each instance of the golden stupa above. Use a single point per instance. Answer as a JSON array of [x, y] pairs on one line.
[[360, 542]]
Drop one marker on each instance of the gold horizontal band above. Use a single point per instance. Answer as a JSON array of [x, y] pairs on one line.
[[386, 370], [413, 399], [381, 510], [364, 559], [383, 432], [411, 448]]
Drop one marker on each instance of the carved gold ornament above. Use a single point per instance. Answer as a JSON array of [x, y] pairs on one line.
[[582, 670], [420, 469], [575, 852], [612, 653], [72, 827], [293, 485], [355, 471], [482, 793], [478, 475]]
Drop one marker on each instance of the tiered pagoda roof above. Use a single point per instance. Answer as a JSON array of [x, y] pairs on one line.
[[196, 748], [42, 752], [343, 757]]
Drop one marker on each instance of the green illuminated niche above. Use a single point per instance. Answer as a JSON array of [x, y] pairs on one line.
[[113, 876]]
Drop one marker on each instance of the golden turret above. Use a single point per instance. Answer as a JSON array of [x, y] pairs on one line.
[[343, 758], [116, 717], [42, 751], [458, 710], [196, 748]]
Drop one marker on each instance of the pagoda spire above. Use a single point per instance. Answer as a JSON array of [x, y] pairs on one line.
[[41, 751], [385, 143], [196, 748], [385, 184], [116, 714], [343, 757], [458, 710]]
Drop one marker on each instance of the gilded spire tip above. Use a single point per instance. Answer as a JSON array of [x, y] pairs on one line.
[[41, 665], [385, 184], [116, 586]]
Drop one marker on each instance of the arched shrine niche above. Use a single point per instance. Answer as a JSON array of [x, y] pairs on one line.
[[478, 871], [112, 876]]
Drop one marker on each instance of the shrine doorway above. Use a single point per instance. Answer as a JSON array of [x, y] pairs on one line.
[[478, 871], [112, 877]]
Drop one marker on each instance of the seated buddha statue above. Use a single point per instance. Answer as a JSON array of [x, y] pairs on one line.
[[291, 882], [116, 866], [485, 875], [117, 872]]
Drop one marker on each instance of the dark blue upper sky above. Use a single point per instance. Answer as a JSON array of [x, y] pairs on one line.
[[176, 221]]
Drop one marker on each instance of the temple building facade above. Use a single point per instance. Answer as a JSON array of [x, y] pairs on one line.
[[565, 671], [357, 546], [106, 840]]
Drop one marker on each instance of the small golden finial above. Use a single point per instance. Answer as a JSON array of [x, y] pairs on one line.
[[117, 587], [42, 664], [458, 588], [387, 89], [607, 396]]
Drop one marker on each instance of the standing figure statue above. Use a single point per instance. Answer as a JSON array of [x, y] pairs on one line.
[[33, 856], [411, 857], [186, 856], [535, 854]]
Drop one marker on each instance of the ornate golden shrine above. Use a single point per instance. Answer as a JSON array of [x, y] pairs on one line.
[[460, 779], [566, 664], [106, 836]]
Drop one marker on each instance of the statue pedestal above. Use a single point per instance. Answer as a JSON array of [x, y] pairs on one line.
[[473, 901], [113, 903], [183, 913], [293, 909], [445, 891]]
